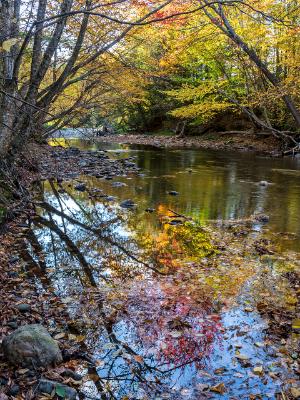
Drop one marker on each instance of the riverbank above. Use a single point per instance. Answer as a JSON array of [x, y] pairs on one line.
[[266, 144]]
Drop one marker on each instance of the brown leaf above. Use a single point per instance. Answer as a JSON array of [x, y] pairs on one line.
[[220, 388], [138, 358]]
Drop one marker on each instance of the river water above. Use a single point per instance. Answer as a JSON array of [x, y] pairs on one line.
[[201, 332]]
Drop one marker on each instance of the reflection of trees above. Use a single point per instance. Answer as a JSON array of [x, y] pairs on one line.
[[70, 245], [116, 294]]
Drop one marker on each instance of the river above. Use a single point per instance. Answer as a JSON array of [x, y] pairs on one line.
[[202, 331]]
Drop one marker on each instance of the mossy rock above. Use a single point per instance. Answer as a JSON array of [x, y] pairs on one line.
[[31, 345]]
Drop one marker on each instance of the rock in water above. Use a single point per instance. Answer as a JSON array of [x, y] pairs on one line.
[[118, 184], [262, 218], [150, 210], [127, 204], [263, 183], [31, 345], [80, 187]]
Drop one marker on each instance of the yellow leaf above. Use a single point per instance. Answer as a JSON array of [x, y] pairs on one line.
[[258, 370], [220, 388], [80, 338]]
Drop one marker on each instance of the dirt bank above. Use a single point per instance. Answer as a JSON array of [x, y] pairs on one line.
[[241, 142]]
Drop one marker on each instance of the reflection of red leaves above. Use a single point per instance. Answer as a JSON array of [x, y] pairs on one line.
[[181, 329]]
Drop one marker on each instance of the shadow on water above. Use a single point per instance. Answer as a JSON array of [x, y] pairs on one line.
[[165, 312]]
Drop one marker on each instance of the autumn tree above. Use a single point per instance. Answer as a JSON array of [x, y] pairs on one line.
[[47, 47]]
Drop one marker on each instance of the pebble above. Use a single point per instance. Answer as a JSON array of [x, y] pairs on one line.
[[23, 307]]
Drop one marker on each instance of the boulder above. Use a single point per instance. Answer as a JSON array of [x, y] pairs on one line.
[[31, 345]]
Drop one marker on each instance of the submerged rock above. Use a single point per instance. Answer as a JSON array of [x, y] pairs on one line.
[[263, 183], [63, 391], [31, 345], [118, 184], [262, 217], [80, 187], [110, 198], [127, 204]]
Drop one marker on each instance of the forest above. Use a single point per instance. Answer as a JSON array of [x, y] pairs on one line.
[[149, 199]]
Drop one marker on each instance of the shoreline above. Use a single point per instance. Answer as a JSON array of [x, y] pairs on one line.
[[237, 142]]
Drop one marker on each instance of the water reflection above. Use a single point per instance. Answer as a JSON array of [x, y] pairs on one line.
[[213, 185], [156, 303]]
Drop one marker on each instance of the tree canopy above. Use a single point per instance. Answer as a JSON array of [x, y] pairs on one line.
[[147, 64]]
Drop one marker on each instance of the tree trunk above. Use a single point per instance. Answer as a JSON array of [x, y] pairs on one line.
[[229, 31], [9, 16]]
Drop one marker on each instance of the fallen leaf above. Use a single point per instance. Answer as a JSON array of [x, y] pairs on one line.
[[242, 357], [259, 344], [138, 358], [60, 391], [100, 363], [220, 388], [176, 334], [295, 392], [258, 370], [59, 336], [23, 371], [80, 338]]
